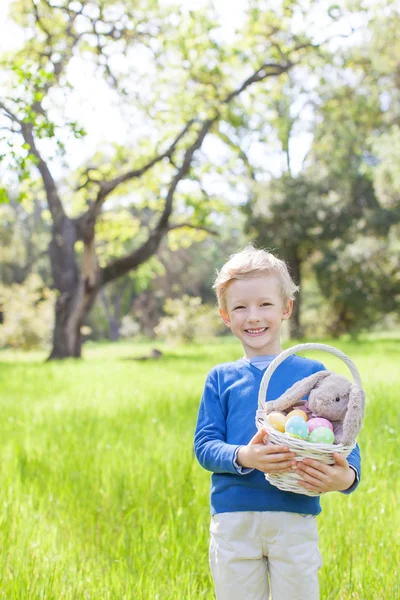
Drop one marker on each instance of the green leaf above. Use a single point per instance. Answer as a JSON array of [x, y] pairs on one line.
[[4, 198]]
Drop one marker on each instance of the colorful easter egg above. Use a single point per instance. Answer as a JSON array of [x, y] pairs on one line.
[[322, 435], [297, 412], [277, 421], [318, 422], [297, 426]]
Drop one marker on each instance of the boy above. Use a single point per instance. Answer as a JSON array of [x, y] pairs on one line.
[[263, 540]]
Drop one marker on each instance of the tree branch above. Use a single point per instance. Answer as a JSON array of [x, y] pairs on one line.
[[9, 114], [192, 226], [131, 261], [265, 71], [53, 200], [106, 187], [35, 10], [122, 265], [51, 46], [224, 137]]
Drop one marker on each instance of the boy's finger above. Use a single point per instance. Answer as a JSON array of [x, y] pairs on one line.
[[340, 460], [311, 480], [259, 437], [278, 458], [318, 468], [271, 449], [283, 467]]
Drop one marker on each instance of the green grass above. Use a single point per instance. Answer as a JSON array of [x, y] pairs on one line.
[[101, 498]]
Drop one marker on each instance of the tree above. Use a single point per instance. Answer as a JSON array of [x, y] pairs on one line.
[[358, 275], [361, 281], [333, 197], [196, 82], [381, 72]]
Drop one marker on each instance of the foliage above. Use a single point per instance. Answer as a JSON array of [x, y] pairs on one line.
[[185, 271], [188, 320], [298, 214], [347, 188], [387, 172], [361, 282], [189, 78], [23, 241], [129, 327], [116, 301], [28, 314]]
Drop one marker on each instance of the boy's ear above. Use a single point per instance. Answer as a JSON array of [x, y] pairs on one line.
[[287, 311], [225, 317]]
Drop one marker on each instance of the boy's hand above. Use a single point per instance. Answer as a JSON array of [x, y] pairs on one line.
[[326, 478], [265, 457]]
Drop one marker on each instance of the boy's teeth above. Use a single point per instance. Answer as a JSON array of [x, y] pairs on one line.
[[256, 330]]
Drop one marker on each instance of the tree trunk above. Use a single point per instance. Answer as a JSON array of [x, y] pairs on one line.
[[66, 338], [112, 307], [295, 327], [71, 311], [112, 318], [114, 329], [77, 291]]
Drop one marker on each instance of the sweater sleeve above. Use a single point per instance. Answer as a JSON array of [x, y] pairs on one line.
[[211, 450], [354, 460]]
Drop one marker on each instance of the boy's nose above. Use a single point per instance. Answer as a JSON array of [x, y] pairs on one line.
[[253, 317]]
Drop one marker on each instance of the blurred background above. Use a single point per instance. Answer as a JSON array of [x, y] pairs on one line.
[[142, 142]]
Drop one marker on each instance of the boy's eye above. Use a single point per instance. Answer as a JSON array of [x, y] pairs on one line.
[[266, 304], [237, 307]]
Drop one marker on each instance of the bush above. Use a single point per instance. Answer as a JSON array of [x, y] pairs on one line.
[[129, 327], [28, 314], [189, 320], [361, 283]]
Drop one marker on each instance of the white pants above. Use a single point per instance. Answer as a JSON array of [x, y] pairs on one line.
[[255, 554]]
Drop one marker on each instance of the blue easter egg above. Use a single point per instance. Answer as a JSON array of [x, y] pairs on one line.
[[297, 426]]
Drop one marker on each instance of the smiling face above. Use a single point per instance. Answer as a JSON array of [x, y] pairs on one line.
[[254, 312]]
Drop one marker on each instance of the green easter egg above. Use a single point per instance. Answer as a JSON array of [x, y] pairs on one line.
[[322, 435]]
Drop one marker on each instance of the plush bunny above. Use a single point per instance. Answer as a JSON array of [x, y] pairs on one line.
[[331, 396]]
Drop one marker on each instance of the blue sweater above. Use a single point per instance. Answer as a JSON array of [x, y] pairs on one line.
[[226, 420]]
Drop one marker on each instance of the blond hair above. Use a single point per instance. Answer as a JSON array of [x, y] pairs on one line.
[[253, 262]]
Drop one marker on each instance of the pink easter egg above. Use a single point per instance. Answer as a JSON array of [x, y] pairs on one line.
[[318, 422]]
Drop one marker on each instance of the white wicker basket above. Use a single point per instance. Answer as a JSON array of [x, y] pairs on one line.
[[302, 448]]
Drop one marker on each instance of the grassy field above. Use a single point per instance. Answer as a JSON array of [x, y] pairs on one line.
[[101, 497]]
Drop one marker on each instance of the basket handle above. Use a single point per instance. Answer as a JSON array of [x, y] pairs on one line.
[[262, 395]]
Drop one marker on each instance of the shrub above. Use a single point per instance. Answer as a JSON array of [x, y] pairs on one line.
[[129, 327], [189, 320], [28, 314]]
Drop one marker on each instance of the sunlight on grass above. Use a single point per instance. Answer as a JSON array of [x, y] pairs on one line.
[[101, 497]]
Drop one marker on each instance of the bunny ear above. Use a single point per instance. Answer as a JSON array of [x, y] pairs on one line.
[[354, 415], [294, 394]]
